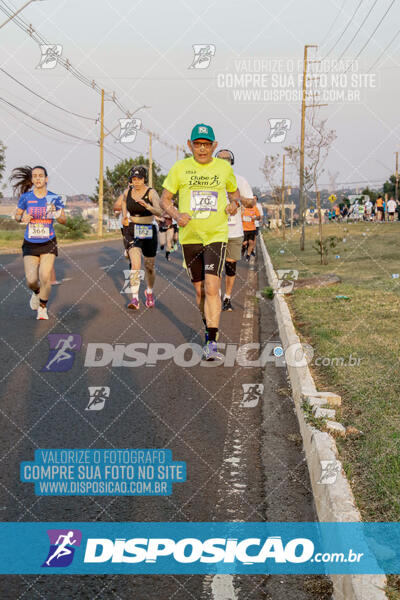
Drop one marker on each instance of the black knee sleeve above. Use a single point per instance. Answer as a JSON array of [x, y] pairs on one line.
[[230, 268]]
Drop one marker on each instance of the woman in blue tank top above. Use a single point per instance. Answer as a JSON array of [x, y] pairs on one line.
[[38, 208]]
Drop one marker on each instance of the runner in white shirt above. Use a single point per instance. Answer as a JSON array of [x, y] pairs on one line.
[[368, 210], [391, 208], [235, 233]]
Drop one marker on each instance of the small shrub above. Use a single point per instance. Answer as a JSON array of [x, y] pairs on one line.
[[74, 229]]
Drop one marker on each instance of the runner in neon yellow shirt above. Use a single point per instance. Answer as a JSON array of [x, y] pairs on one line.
[[207, 195]]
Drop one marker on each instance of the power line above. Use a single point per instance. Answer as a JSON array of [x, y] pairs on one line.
[[384, 51], [359, 29], [46, 124], [375, 30], [39, 39], [345, 29], [334, 21], [45, 99], [49, 137], [64, 62]]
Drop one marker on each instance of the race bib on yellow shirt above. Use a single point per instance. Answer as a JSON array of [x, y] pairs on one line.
[[39, 230], [203, 200]]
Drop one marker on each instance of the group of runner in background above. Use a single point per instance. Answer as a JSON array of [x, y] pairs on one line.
[[380, 210]]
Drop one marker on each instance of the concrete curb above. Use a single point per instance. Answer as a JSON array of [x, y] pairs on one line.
[[334, 502]]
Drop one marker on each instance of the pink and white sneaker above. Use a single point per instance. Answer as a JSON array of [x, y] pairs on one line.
[[149, 299], [134, 303]]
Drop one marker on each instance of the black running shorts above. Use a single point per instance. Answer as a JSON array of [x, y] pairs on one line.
[[36, 249], [200, 259], [249, 235], [148, 245]]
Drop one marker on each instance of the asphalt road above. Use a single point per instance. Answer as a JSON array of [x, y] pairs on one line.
[[243, 462]]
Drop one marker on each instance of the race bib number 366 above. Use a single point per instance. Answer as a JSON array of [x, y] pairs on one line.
[[203, 201], [38, 230]]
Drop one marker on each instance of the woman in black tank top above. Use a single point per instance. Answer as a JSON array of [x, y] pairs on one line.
[[140, 204], [135, 208]]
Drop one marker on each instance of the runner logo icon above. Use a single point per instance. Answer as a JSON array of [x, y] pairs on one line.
[[330, 469], [203, 54], [62, 352], [127, 289], [251, 394], [286, 279], [62, 547], [98, 396], [128, 130], [50, 55], [278, 130]]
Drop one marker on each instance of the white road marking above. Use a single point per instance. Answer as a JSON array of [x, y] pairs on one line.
[[222, 585]]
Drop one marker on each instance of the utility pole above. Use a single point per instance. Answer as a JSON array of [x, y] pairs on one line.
[[302, 137], [150, 160], [101, 173], [283, 198], [396, 189], [177, 152]]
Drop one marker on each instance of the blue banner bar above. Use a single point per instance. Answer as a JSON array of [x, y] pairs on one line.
[[199, 548]]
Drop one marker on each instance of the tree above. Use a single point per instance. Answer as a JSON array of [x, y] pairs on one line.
[[74, 228], [316, 149], [116, 179], [2, 162], [371, 193], [389, 187], [270, 170]]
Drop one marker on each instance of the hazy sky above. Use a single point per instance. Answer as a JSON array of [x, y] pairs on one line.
[[142, 50]]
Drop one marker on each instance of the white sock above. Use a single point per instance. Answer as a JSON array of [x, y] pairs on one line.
[[149, 290], [226, 297]]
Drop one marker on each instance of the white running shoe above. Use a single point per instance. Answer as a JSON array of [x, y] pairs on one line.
[[42, 314], [34, 301]]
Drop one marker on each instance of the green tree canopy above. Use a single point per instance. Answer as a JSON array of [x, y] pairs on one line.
[[371, 193], [116, 179], [389, 186]]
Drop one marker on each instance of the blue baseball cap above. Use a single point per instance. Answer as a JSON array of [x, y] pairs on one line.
[[203, 132]]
